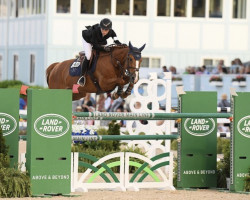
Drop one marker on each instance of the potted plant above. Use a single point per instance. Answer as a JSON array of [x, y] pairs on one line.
[[177, 80], [239, 81], [216, 81]]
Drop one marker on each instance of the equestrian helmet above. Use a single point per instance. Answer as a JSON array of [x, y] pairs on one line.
[[106, 24]]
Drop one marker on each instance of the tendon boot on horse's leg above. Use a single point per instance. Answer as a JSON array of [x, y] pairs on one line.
[[82, 79], [118, 93]]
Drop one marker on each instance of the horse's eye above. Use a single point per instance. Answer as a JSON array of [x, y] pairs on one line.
[[130, 59]]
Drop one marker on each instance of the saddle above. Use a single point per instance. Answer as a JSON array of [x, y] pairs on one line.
[[76, 69]]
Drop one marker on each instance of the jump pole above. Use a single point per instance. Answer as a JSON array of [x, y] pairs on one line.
[[146, 116], [123, 137], [117, 137]]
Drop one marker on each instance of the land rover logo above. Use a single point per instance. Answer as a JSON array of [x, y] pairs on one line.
[[199, 127], [7, 123], [243, 126], [51, 125]]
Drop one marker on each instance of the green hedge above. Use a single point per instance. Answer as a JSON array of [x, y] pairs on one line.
[[223, 166], [16, 84], [10, 83], [247, 182]]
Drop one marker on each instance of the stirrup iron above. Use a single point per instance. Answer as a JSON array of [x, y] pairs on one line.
[[81, 81]]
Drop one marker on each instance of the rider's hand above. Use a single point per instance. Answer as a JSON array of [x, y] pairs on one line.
[[117, 42], [107, 49]]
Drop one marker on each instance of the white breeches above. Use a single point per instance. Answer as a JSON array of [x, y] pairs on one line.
[[87, 48]]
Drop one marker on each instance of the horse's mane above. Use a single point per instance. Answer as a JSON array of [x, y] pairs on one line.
[[122, 46], [114, 48]]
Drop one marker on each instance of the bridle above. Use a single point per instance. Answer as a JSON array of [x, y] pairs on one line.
[[125, 68]]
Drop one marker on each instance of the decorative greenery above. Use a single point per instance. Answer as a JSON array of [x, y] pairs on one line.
[[176, 78], [215, 78], [221, 144], [223, 166], [10, 83], [16, 84], [239, 78], [247, 182], [114, 129], [13, 182], [175, 171], [174, 144], [4, 158]]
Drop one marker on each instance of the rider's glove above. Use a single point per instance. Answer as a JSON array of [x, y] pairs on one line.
[[107, 49], [117, 42]]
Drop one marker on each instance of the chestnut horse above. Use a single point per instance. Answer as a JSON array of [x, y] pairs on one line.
[[114, 69]]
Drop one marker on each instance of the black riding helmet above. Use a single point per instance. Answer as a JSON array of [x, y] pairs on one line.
[[106, 24]]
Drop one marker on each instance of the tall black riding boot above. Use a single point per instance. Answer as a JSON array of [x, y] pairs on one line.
[[82, 79]]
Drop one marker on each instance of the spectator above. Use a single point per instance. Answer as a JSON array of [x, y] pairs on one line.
[[87, 103], [164, 69], [78, 109], [76, 103], [187, 70], [108, 102], [198, 71], [116, 103], [240, 66], [22, 104], [223, 102], [220, 68], [204, 69], [234, 68], [121, 122], [192, 70], [172, 69], [247, 69]]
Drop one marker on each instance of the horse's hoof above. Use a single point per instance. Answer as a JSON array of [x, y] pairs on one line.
[[115, 96], [125, 95]]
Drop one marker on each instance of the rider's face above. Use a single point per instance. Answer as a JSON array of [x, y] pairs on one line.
[[104, 32]]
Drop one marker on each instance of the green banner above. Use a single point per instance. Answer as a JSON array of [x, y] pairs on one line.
[[240, 141], [9, 121], [197, 150], [48, 158]]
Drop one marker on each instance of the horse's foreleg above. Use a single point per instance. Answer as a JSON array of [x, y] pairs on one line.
[[118, 93], [128, 91], [120, 82]]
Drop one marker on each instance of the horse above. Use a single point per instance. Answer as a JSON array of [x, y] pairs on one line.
[[114, 69]]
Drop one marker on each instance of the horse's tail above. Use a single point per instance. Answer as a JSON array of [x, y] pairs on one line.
[[48, 70]]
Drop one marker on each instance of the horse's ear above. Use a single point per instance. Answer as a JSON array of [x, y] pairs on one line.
[[130, 45], [142, 47]]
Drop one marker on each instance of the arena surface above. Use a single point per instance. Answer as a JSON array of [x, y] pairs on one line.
[[150, 194]]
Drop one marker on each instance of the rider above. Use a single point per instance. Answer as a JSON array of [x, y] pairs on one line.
[[96, 37]]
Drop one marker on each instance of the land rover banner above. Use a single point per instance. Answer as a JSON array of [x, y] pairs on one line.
[[240, 141], [9, 121], [197, 149], [49, 141]]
